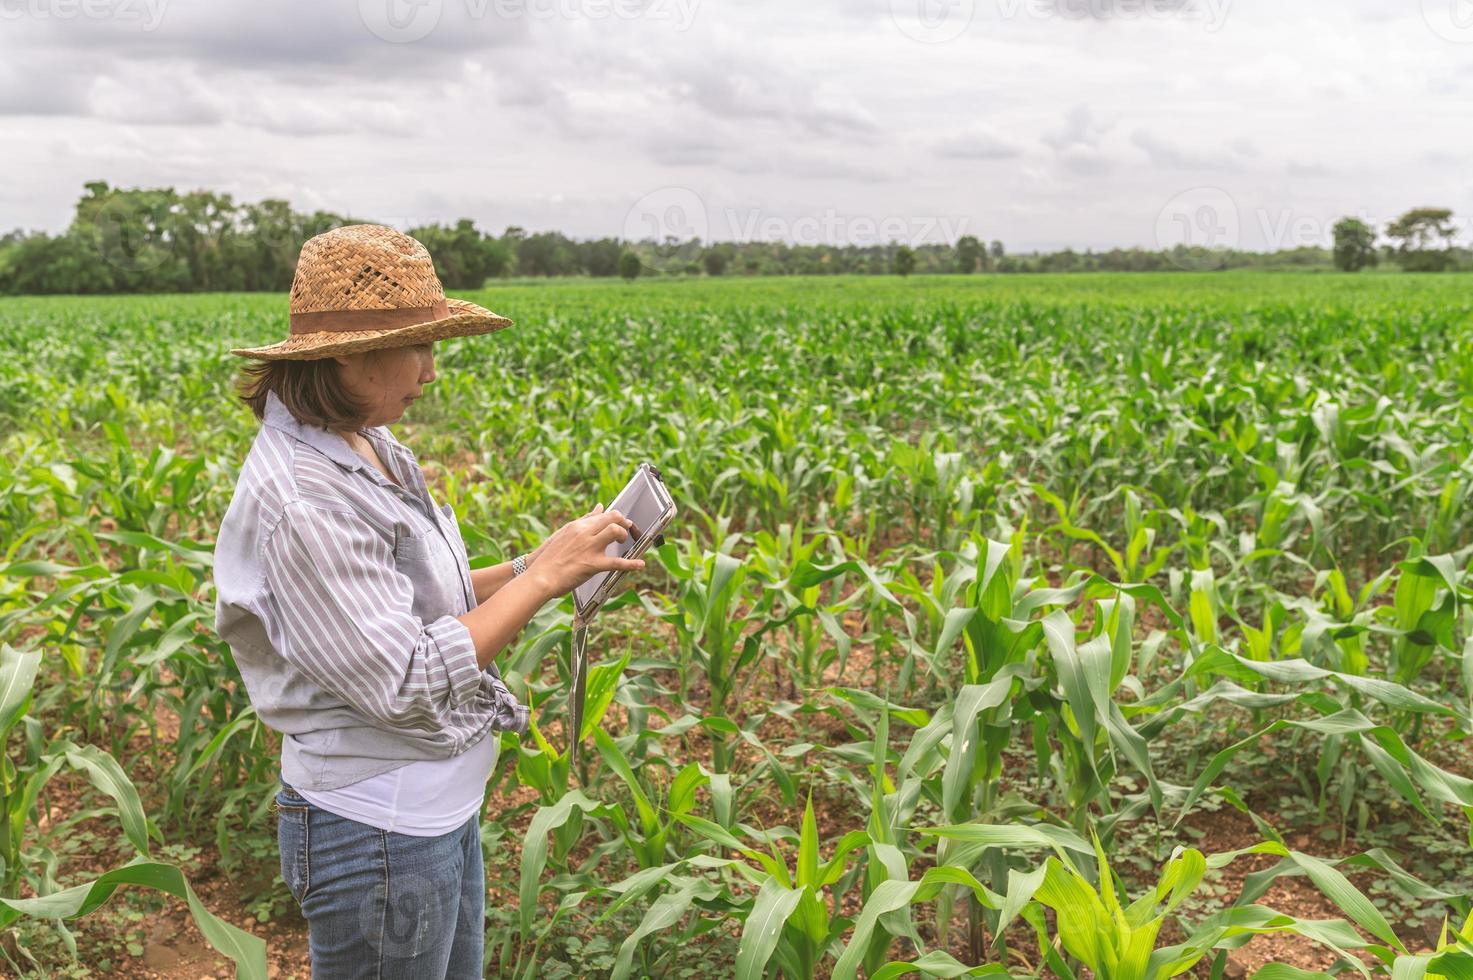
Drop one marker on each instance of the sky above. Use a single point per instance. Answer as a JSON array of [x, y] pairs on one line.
[[1041, 123]]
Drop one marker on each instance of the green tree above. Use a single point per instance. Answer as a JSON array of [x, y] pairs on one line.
[[125, 230], [969, 254], [464, 258], [996, 251], [629, 266], [716, 259], [1416, 234], [1355, 245], [905, 260], [547, 253], [601, 257], [266, 248]]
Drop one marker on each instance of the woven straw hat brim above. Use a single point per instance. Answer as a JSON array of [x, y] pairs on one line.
[[466, 319]]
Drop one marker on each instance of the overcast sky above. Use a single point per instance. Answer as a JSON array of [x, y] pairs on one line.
[[1043, 123]]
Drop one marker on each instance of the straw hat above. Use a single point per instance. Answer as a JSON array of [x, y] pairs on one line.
[[366, 287]]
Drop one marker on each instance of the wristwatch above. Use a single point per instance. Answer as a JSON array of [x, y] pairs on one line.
[[518, 565]]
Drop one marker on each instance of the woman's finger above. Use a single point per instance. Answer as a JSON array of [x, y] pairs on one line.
[[609, 519], [624, 565], [611, 532]]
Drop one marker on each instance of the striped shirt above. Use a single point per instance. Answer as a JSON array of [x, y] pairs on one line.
[[337, 590]]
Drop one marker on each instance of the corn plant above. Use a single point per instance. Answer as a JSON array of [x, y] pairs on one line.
[[815, 621], [1097, 929], [712, 639], [1099, 544], [32, 863]]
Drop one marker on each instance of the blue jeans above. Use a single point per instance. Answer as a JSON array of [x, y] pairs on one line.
[[380, 904]]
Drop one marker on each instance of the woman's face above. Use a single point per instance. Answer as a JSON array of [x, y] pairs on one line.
[[388, 380]]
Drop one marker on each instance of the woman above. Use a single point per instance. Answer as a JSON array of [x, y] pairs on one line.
[[358, 626]]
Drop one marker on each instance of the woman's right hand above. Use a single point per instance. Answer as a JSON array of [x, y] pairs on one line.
[[575, 551]]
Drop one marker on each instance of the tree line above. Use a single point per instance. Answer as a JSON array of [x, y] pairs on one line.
[[1421, 241], [160, 240]]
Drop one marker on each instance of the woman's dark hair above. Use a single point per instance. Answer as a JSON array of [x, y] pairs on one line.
[[311, 390]]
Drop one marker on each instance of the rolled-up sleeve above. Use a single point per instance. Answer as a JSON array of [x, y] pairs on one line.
[[347, 622]]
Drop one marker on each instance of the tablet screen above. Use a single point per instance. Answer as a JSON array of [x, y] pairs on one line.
[[642, 503]]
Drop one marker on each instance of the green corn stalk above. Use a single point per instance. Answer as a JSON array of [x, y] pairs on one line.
[[562, 819], [711, 637], [1119, 941], [549, 770], [19, 862], [650, 842], [777, 558], [1424, 613]]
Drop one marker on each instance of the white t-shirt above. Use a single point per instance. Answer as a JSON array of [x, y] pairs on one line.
[[425, 798]]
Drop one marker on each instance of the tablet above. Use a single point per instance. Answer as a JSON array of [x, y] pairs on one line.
[[646, 502]]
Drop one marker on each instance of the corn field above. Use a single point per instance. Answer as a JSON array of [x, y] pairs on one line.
[[1038, 627]]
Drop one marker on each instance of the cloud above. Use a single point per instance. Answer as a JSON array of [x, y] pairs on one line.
[[1447, 158], [32, 86], [743, 92], [1076, 143], [676, 149], [1244, 147], [1080, 130], [979, 143], [1298, 169], [1086, 161], [1108, 10], [1169, 156], [555, 117], [155, 98], [349, 116], [299, 39]]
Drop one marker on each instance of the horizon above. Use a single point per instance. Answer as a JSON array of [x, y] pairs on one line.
[[1457, 221]]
